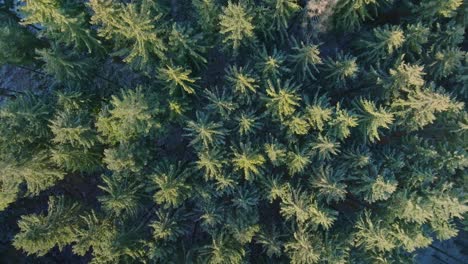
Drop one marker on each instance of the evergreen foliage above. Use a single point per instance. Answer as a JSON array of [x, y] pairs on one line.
[[63, 21], [132, 28], [17, 44], [209, 131], [236, 26], [128, 118], [40, 233]]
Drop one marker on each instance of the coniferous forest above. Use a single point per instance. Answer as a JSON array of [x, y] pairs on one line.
[[232, 131]]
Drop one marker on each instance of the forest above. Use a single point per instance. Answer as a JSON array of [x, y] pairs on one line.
[[232, 131]]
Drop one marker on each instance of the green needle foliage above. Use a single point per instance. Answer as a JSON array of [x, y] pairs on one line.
[[223, 249], [242, 82], [17, 44], [65, 68], [371, 118], [236, 26], [205, 133], [383, 42], [121, 196], [176, 78], [282, 99], [350, 14], [272, 66], [63, 21], [340, 70], [247, 161], [131, 28], [447, 62], [305, 59], [187, 46], [171, 188], [40, 233], [128, 118], [209, 131], [283, 10], [372, 236], [434, 8]]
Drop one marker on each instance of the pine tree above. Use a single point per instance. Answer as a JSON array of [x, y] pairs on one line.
[[378, 188], [404, 78], [236, 26], [40, 233], [17, 44], [242, 81], [319, 113], [65, 27], [186, 46], [303, 208], [37, 172], [129, 117], [350, 14], [329, 184], [446, 62], [223, 249], [76, 141], [248, 123], [205, 133], [66, 68], [248, 161], [421, 106], [302, 248], [94, 233], [372, 236], [221, 103], [109, 242], [23, 124], [282, 99], [411, 239], [121, 195], [211, 163], [283, 11], [433, 8], [129, 25], [271, 243], [271, 65], [169, 180], [342, 123], [372, 118], [175, 78], [297, 160], [363, 162], [169, 226], [325, 147], [417, 35], [384, 41], [448, 36], [9, 191], [341, 70], [297, 125], [305, 59], [276, 152], [207, 12], [126, 157]]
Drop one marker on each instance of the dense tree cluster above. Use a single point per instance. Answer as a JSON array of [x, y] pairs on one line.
[[244, 137]]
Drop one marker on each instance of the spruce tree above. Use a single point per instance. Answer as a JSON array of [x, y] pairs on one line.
[[17, 44], [129, 25], [63, 21], [40, 233], [236, 26]]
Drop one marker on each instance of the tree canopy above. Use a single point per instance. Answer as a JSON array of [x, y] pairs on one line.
[[232, 131]]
